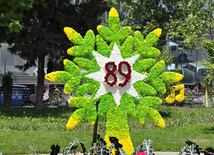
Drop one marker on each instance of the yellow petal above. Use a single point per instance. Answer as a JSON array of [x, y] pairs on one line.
[[99, 27], [178, 77], [113, 13], [158, 31], [65, 91], [71, 123], [161, 123], [92, 123], [70, 51], [69, 31], [142, 122], [65, 61], [137, 32], [162, 61], [51, 76]]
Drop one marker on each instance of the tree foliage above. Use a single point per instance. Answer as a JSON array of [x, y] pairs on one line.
[[11, 13], [194, 24], [43, 35]]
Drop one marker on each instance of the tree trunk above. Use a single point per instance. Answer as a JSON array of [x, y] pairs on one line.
[[95, 126], [40, 81], [207, 99], [7, 86], [6, 97]]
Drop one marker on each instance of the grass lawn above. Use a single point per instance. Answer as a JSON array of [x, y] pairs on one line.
[[21, 127]]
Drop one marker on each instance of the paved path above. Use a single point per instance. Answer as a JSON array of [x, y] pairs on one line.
[[170, 153], [156, 153], [166, 153]]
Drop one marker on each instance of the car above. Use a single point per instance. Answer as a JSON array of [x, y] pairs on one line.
[[183, 56], [192, 73], [195, 70], [17, 95]]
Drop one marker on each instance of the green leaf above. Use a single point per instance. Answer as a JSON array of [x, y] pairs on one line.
[[87, 88], [143, 65], [80, 102], [144, 88]]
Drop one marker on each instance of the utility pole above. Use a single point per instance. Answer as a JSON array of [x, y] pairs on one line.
[[5, 57]]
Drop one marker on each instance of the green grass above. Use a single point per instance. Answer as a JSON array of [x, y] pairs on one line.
[[21, 127]]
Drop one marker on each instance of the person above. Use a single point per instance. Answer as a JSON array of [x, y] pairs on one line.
[[32, 97], [50, 66], [54, 97]]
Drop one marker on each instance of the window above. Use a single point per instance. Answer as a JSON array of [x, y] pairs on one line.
[[202, 72], [173, 48]]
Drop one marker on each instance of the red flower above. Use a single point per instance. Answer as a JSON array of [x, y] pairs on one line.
[[141, 153]]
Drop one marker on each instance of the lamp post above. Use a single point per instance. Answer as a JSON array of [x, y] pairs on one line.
[[5, 57]]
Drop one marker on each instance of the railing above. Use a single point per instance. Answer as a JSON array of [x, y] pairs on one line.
[[23, 96], [197, 96], [27, 96]]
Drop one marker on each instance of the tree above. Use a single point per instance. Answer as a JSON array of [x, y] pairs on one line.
[[7, 84], [42, 34], [208, 93], [194, 24], [12, 13]]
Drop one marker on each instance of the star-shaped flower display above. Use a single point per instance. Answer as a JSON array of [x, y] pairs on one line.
[[116, 90], [123, 74]]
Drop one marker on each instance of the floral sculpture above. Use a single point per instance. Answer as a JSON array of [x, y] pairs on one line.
[[120, 72], [180, 97]]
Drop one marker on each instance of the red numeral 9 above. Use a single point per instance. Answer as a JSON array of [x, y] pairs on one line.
[[126, 75]]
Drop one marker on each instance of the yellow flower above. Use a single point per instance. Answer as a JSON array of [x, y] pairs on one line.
[[71, 123], [142, 122], [65, 91], [70, 51], [99, 27], [92, 123], [158, 31], [113, 13], [161, 123], [178, 77], [51, 76], [137, 32]]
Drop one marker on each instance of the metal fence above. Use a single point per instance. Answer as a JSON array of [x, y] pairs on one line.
[[197, 96], [27, 96]]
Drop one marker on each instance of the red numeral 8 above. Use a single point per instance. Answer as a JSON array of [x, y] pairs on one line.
[[111, 72]]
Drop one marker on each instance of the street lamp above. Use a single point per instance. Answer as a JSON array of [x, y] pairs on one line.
[[5, 57]]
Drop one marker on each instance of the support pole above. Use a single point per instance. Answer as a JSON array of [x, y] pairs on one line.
[[95, 127]]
